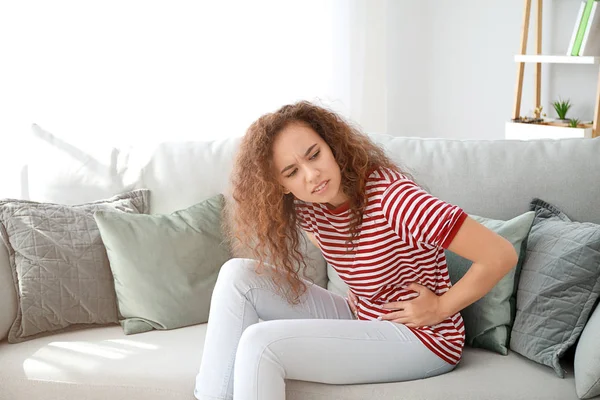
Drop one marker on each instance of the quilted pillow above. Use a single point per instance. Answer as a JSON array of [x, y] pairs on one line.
[[558, 286], [59, 264]]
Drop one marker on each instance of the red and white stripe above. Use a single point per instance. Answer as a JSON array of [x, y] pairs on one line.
[[402, 239]]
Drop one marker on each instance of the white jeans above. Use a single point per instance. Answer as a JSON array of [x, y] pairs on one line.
[[317, 340]]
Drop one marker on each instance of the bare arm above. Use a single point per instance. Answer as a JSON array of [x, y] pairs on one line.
[[492, 256]]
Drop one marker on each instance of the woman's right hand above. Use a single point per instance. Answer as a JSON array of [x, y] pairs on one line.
[[352, 302]]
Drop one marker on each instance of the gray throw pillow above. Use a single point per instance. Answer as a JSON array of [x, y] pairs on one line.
[[488, 320], [59, 264], [165, 266], [558, 286], [587, 359]]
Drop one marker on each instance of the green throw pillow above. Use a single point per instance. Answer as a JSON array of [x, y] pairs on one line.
[[165, 266], [489, 319]]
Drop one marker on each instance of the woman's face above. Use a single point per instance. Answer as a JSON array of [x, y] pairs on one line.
[[305, 166]]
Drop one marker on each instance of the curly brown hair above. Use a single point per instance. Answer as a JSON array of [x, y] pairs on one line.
[[264, 216]]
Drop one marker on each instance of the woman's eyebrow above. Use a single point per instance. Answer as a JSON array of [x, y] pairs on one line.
[[305, 155]]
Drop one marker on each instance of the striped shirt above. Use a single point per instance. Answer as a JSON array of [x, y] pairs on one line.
[[401, 240]]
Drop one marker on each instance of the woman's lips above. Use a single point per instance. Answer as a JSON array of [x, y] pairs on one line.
[[321, 188]]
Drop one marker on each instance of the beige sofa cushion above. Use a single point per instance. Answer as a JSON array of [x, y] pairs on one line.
[[103, 363]]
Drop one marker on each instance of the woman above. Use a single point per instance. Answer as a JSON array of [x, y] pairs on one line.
[[304, 167]]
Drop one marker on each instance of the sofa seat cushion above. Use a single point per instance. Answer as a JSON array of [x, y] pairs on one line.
[[481, 375], [103, 363]]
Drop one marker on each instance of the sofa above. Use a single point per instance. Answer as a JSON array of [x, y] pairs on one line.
[[492, 178]]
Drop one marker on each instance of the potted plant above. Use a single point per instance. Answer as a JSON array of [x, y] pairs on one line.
[[562, 107], [536, 127]]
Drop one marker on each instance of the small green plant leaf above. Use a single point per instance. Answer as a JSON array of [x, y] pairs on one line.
[[562, 107]]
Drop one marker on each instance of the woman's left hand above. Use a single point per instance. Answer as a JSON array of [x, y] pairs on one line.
[[423, 310]]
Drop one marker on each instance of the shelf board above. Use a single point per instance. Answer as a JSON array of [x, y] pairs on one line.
[[520, 131], [532, 58]]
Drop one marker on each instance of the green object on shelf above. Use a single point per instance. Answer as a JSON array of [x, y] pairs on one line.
[[562, 107], [582, 26]]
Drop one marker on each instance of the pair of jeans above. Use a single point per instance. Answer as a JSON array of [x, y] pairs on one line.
[[317, 340]]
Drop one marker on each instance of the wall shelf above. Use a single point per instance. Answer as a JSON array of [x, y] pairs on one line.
[[532, 58], [538, 59], [521, 131]]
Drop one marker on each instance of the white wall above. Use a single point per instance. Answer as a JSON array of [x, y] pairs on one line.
[[360, 58], [453, 70], [470, 66], [432, 68], [140, 70], [408, 85]]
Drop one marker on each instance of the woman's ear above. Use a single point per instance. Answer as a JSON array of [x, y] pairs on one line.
[[286, 191]]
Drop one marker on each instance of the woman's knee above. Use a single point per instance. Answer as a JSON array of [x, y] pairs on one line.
[[237, 274], [255, 342], [236, 269]]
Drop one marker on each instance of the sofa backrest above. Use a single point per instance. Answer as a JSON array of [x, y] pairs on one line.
[[494, 179], [498, 179]]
